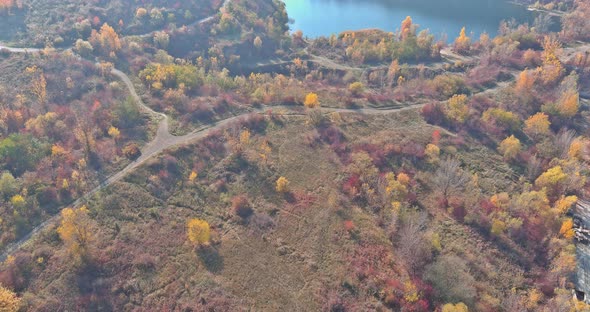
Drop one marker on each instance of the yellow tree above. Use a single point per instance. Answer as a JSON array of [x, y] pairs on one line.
[[564, 204], [9, 302], [406, 29], [459, 307], [38, 84], [311, 100], [510, 147], [74, 230], [576, 150], [356, 88], [265, 151], [525, 82], [432, 153], [198, 231], [567, 228], [192, 176], [457, 109], [392, 71], [462, 42], [551, 177], [282, 185], [569, 103], [106, 39], [552, 68], [245, 137], [17, 201], [114, 132], [537, 125]]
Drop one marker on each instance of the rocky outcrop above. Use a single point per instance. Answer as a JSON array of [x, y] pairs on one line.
[[582, 238]]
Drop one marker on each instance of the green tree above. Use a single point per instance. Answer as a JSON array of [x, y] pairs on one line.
[[128, 114], [20, 152], [8, 184], [451, 280]]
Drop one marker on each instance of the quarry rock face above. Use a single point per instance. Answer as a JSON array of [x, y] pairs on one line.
[[582, 238]]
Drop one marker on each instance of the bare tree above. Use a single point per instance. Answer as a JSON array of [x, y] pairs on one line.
[[563, 141], [533, 168], [411, 244], [450, 178]]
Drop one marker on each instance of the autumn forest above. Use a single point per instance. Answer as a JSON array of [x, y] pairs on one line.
[[205, 155]]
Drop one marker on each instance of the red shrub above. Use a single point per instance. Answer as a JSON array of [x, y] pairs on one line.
[[352, 185], [349, 225], [435, 137], [433, 113]]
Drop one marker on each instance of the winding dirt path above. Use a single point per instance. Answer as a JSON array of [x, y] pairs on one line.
[[164, 139]]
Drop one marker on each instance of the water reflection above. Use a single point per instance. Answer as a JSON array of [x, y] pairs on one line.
[[324, 17]]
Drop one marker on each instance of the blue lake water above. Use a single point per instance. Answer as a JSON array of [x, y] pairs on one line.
[[325, 17]]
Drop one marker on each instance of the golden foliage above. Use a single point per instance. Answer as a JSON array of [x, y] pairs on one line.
[[17, 201], [462, 42], [198, 231], [397, 188], [392, 71], [406, 28], [140, 13], [551, 177], [567, 228], [403, 178], [57, 151], [75, 231], [552, 68], [356, 88], [401, 80], [265, 150], [510, 147], [525, 81], [537, 124], [432, 153], [501, 200], [106, 39], [576, 150], [282, 185], [498, 227], [114, 132], [533, 299], [245, 137], [459, 307], [411, 292], [457, 109], [311, 100], [38, 83], [9, 302], [192, 176], [564, 204], [569, 103]]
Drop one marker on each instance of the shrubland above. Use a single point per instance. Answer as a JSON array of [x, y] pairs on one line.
[[365, 171]]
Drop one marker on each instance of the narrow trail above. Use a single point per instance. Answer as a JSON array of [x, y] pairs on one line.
[[164, 139]]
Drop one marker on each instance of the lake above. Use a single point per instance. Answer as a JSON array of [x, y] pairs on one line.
[[325, 17]]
